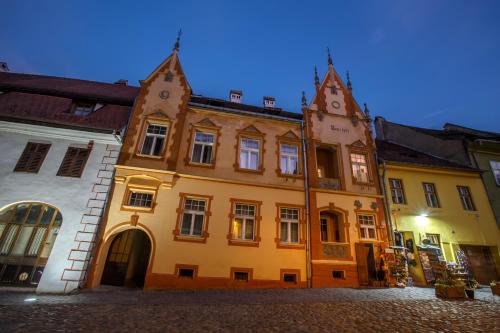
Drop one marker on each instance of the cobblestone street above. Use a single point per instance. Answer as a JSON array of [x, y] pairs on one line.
[[312, 310]]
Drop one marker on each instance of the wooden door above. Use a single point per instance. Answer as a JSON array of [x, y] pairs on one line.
[[362, 261], [117, 261], [481, 263]]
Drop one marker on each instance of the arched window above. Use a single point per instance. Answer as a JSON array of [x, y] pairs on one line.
[[28, 231]]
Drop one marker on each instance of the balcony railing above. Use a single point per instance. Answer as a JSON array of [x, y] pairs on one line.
[[336, 250]]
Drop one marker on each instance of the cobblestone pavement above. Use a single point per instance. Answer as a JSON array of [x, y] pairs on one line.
[[306, 310]]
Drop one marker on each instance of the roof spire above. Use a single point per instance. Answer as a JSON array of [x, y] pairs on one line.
[[177, 42], [316, 78], [367, 113], [330, 62], [349, 85], [304, 100]]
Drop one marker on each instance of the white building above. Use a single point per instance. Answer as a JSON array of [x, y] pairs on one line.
[[59, 140]]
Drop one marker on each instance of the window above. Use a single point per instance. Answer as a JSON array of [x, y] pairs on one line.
[[193, 217], [249, 154], [244, 222], [241, 276], [83, 109], [140, 199], [154, 140], [289, 159], [289, 225], [431, 195], [466, 198], [397, 193], [74, 162], [433, 238], [495, 168], [289, 278], [186, 273], [202, 148], [367, 226], [338, 275], [359, 167], [32, 157], [327, 162], [331, 228]]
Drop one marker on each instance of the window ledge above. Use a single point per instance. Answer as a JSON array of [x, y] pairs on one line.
[[201, 165], [149, 156], [193, 239], [137, 209], [294, 246], [238, 242]]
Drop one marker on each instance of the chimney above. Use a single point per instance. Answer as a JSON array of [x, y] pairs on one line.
[[235, 96], [4, 67], [269, 102], [122, 82]]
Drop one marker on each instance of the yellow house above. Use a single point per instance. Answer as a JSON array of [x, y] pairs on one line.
[[440, 212]]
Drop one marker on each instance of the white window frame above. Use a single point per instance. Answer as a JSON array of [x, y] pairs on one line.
[[395, 190], [430, 194], [193, 213], [466, 198], [244, 218], [289, 160], [289, 221], [248, 152], [155, 139], [495, 169], [132, 192], [357, 166], [366, 227], [203, 145]]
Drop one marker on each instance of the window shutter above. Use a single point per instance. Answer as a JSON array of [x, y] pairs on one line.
[[32, 157], [73, 162]]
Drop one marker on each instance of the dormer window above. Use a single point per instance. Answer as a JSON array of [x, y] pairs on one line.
[[83, 109], [235, 96]]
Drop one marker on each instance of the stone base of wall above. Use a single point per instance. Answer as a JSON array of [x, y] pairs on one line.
[[322, 276], [157, 281]]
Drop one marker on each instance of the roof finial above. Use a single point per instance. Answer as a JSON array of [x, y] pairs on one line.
[[367, 113], [304, 100], [177, 42], [330, 62], [349, 85], [316, 78]]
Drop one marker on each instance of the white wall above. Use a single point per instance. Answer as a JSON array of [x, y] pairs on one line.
[[69, 195]]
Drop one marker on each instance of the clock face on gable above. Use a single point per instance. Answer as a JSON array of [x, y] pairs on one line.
[[336, 105], [164, 94]]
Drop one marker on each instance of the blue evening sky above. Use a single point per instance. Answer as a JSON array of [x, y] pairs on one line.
[[420, 62]]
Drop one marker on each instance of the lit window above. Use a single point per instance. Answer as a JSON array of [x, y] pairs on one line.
[[397, 193], [154, 140], [359, 167], [367, 226], [466, 198], [140, 199], [495, 168], [249, 153], [431, 195], [289, 159], [289, 225], [244, 222], [202, 148], [193, 217]]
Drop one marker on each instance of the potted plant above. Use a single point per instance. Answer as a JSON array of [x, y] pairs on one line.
[[495, 288], [470, 286], [450, 288]]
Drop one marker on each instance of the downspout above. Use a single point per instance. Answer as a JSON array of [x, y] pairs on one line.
[[306, 191], [390, 229]]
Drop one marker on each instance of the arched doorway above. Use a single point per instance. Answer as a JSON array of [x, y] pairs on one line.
[[28, 231], [127, 260]]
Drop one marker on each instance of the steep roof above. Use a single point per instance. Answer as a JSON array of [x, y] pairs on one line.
[[392, 152]]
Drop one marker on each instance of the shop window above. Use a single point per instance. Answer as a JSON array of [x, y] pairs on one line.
[[154, 140], [338, 275], [327, 162], [397, 192], [74, 162], [466, 198], [332, 228], [367, 227], [431, 195], [32, 157], [434, 239]]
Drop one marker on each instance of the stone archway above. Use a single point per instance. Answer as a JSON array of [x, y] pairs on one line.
[[127, 259], [28, 231]]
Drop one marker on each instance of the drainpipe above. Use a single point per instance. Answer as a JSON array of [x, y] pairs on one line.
[[390, 229], [306, 191]]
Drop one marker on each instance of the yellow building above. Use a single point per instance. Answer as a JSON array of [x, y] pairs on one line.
[[211, 193], [439, 204]]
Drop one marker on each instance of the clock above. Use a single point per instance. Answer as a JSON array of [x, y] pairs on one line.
[[164, 94], [336, 104]]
